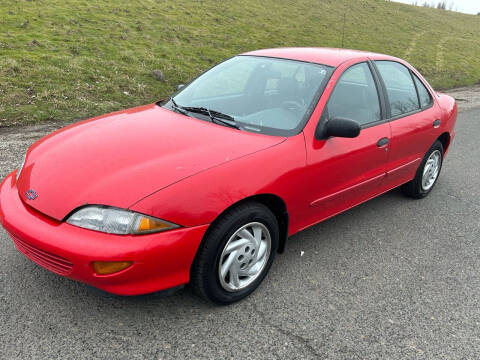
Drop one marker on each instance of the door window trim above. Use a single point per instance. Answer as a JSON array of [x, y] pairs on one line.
[[381, 99]]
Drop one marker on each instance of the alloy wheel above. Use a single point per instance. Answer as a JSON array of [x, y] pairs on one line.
[[244, 256], [431, 170]]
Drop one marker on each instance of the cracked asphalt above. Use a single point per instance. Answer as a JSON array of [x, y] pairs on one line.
[[393, 278]]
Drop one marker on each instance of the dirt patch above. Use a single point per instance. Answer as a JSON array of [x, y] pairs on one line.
[[15, 140], [466, 97]]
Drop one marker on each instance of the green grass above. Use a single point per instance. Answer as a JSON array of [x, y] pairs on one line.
[[65, 60]]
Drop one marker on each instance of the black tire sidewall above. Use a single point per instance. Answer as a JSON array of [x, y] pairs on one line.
[[437, 145], [217, 240]]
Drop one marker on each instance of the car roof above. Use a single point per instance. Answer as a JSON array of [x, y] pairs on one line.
[[327, 56]]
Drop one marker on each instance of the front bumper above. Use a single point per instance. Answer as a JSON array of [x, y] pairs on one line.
[[160, 261]]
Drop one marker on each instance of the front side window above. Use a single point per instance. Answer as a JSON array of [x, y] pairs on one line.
[[259, 94], [355, 96], [401, 92]]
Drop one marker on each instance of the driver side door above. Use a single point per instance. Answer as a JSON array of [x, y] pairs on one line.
[[343, 172]]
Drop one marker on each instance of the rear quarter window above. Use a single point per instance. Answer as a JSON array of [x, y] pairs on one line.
[[423, 94]]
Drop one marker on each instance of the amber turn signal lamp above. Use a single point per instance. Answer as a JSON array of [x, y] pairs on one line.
[[149, 224], [110, 267]]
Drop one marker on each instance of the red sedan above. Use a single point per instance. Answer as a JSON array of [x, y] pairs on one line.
[[206, 186]]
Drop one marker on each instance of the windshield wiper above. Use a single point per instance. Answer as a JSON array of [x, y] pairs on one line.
[[215, 116], [177, 107]]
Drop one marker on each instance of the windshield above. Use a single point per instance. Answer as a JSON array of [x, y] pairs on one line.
[[258, 94]]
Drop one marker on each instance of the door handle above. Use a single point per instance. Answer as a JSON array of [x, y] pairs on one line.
[[382, 142], [437, 123]]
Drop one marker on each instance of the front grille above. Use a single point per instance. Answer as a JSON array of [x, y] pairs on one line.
[[45, 259]]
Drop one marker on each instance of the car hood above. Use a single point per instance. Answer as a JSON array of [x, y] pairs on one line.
[[120, 158]]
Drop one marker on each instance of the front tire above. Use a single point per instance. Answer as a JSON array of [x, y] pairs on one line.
[[236, 254], [427, 173]]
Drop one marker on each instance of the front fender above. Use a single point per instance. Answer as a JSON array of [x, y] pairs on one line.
[[278, 170]]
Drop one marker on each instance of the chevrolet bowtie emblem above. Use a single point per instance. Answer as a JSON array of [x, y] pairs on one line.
[[31, 194]]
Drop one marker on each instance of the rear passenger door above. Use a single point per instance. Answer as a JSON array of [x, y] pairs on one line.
[[412, 113]]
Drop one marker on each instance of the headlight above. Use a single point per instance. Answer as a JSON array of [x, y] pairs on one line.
[[21, 167], [117, 221]]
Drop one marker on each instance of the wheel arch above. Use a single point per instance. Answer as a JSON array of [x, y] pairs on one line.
[[445, 140], [275, 204]]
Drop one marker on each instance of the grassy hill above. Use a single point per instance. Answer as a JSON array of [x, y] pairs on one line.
[[70, 59]]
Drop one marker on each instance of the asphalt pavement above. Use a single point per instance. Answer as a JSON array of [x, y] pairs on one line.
[[393, 278]]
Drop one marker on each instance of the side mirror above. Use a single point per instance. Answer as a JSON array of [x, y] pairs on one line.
[[341, 127], [180, 86]]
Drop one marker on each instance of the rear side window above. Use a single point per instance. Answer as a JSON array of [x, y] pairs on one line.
[[424, 95], [401, 91], [355, 96]]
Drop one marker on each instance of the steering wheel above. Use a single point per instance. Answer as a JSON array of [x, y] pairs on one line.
[[291, 105]]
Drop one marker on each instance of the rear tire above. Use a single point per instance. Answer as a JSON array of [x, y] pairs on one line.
[[236, 254], [427, 173]]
